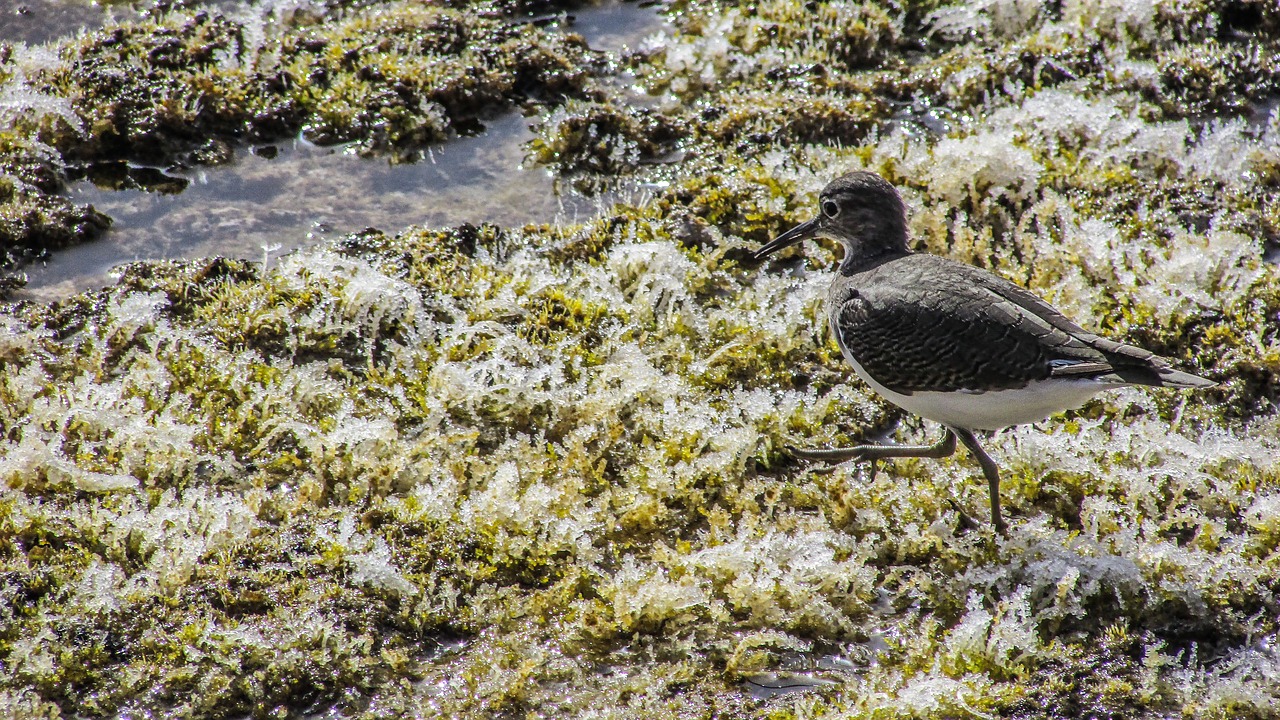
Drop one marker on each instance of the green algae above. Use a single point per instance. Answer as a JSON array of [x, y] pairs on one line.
[[488, 471], [394, 80]]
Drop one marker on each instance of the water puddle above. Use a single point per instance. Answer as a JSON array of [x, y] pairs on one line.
[[616, 25], [42, 21], [802, 671], [276, 198], [39, 21], [304, 194], [764, 685]]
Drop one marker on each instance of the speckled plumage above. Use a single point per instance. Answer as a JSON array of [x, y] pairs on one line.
[[951, 342], [921, 322]]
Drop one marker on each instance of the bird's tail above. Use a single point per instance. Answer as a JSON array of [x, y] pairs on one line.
[[1135, 366], [1170, 377]]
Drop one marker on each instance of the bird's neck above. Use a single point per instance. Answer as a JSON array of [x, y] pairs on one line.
[[858, 260]]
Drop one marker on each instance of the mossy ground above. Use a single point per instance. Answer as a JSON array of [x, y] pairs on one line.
[[540, 471]]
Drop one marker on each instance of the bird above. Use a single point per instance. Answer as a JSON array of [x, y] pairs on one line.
[[951, 342]]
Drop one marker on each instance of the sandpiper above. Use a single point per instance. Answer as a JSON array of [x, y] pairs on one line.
[[951, 342]]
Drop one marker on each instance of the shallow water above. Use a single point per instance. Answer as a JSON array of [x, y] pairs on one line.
[[257, 208], [607, 25], [39, 21]]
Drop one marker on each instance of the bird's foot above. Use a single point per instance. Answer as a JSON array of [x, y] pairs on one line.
[[828, 469], [943, 448], [835, 456], [966, 521]]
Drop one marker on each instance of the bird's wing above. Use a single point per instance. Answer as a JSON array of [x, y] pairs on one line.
[[1115, 361], [948, 333]]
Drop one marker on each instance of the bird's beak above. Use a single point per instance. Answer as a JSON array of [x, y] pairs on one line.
[[803, 231]]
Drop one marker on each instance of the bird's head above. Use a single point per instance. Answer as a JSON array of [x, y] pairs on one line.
[[862, 211]]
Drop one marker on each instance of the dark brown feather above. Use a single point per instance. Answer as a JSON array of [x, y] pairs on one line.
[[920, 322]]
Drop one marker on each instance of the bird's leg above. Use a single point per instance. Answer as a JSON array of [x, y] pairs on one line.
[[943, 448], [990, 470]]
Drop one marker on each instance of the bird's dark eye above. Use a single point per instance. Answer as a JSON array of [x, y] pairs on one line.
[[830, 208]]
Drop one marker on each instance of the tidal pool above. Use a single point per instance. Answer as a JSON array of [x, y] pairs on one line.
[[275, 198], [42, 21]]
